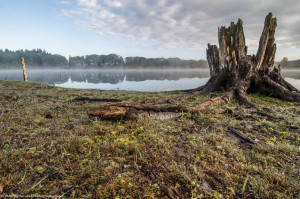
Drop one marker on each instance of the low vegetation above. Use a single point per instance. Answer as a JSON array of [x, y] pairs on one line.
[[50, 146]]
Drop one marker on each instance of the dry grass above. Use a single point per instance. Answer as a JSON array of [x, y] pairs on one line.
[[49, 146]]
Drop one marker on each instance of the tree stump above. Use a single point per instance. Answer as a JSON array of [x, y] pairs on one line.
[[231, 67]]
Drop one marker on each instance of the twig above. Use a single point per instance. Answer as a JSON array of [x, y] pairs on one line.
[[39, 182], [241, 136], [96, 99]]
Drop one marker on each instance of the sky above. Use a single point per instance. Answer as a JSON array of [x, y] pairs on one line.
[[148, 28]]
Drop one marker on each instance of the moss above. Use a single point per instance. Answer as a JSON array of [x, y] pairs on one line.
[[46, 148]]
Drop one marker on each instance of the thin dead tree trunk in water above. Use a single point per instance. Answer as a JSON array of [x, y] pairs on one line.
[[234, 71], [24, 70]]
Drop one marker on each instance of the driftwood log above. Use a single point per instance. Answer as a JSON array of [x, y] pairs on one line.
[[232, 70]]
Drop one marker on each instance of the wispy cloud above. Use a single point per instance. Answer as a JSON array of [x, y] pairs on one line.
[[188, 23], [64, 2], [87, 3]]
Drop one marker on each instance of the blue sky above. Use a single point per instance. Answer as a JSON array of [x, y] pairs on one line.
[[149, 28]]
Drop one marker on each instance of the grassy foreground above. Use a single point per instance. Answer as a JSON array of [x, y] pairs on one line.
[[50, 147]]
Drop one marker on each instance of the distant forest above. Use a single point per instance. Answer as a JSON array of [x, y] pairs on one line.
[[36, 57], [285, 63], [41, 58]]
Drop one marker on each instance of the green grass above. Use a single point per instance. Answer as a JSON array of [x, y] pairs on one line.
[[193, 154]]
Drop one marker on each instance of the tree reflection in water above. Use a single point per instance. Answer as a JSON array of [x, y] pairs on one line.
[[125, 79]]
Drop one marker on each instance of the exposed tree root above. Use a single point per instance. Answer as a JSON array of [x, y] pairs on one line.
[[225, 98], [241, 92], [276, 76], [275, 89]]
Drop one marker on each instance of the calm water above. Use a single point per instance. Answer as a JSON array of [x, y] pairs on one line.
[[126, 79]]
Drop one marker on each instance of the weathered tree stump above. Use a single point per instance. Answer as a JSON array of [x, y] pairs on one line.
[[234, 71]]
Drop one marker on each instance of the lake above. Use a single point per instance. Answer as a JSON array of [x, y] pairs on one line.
[[126, 79]]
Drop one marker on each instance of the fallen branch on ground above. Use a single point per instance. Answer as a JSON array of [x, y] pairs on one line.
[[96, 99], [241, 136]]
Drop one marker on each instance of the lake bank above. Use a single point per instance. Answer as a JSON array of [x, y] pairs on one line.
[[51, 147]]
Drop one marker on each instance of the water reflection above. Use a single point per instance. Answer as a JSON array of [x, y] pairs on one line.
[[146, 85], [295, 74], [126, 79], [104, 75]]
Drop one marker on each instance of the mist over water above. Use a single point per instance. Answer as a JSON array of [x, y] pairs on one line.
[[126, 79]]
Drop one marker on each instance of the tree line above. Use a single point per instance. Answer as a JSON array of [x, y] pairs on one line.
[[285, 63], [35, 57], [41, 58]]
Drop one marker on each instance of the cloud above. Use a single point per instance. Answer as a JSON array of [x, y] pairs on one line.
[[188, 23], [87, 3], [65, 2]]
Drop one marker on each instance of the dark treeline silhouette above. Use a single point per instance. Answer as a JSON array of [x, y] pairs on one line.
[[35, 57], [41, 58], [158, 62], [117, 60], [96, 60], [286, 64]]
